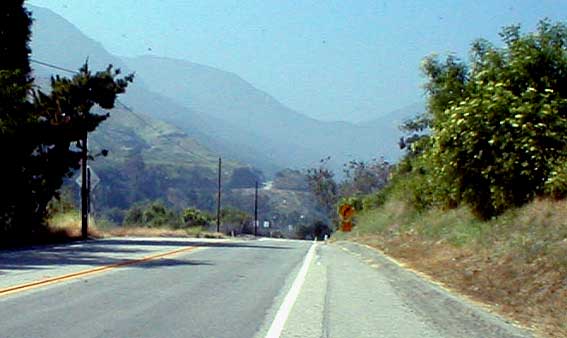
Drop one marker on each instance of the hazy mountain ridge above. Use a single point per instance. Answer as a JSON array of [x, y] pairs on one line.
[[220, 109], [191, 115], [299, 139], [56, 41], [150, 159]]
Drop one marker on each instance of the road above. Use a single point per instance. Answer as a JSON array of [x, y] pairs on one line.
[[229, 288]]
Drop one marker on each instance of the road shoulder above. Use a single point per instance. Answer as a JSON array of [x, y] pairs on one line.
[[451, 313]]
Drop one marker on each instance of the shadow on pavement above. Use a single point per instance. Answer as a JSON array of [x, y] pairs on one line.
[[96, 253], [149, 242]]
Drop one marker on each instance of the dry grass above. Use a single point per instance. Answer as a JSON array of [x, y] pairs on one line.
[[517, 263], [196, 232], [68, 225]]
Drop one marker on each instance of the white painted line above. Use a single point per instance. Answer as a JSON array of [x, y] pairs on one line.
[[283, 312]]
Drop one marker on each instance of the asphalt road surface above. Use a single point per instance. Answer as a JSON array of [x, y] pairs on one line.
[[215, 289]]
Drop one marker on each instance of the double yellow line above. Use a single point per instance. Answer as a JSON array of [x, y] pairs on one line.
[[82, 273]]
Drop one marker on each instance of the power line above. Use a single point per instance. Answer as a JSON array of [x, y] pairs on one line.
[[54, 66], [125, 107], [141, 119]]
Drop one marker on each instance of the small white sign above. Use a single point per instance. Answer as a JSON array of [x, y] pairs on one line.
[[266, 224], [95, 180]]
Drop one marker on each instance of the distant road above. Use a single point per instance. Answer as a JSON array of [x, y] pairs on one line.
[[255, 288]]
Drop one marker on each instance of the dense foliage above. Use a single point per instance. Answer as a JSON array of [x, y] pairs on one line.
[[498, 124], [360, 186], [195, 217], [152, 215], [362, 178], [322, 184], [40, 132]]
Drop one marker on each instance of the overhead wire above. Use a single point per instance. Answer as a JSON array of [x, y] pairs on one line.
[[124, 106]]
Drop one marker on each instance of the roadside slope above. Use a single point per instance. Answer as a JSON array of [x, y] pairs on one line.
[[515, 264]]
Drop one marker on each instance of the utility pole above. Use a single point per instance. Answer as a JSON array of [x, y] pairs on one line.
[[85, 180], [219, 197], [256, 210]]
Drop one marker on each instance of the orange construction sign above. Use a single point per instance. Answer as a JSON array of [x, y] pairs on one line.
[[346, 211], [346, 226]]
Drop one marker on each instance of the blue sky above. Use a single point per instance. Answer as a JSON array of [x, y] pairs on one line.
[[333, 60]]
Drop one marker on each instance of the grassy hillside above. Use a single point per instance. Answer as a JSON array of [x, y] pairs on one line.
[[150, 159], [158, 142]]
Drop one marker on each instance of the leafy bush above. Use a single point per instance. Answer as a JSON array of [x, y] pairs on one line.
[[556, 183], [193, 217], [152, 215], [500, 123]]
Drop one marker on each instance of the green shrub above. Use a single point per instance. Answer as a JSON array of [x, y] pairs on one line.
[[153, 215], [373, 201], [193, 217], [498, 122], [556, 183]]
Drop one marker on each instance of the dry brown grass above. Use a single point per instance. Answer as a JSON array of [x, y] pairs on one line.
[[518, 268], [161, 232], [68, 226], [145, 232]]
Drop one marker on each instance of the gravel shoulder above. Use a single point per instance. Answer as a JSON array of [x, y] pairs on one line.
[[449, 313], [355, 291]]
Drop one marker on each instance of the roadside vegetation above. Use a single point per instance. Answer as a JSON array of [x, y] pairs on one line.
[[516, 263], [479, 200], [41, 132], [151, 220]]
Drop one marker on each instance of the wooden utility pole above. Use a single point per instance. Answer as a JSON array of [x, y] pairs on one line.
[[85, 180], [256, 210], [219, 197]]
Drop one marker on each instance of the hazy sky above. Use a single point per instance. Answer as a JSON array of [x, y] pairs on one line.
[[333, 60]]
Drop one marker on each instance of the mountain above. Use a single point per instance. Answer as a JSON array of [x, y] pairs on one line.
[[291, 137], [220, 109], [182, 116], [56, 41], [150, 159], [396, 117]]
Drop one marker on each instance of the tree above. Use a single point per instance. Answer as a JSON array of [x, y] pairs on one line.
[[15, 22], [40, 133], [153, 215], [322, 184], [499, 124], [364, 178], [236, 220], [15, 85], [195, 217]]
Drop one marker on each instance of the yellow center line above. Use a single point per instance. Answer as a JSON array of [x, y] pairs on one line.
[[70, 276]]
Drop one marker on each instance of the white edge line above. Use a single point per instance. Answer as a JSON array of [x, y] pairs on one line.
[[283, 312]]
